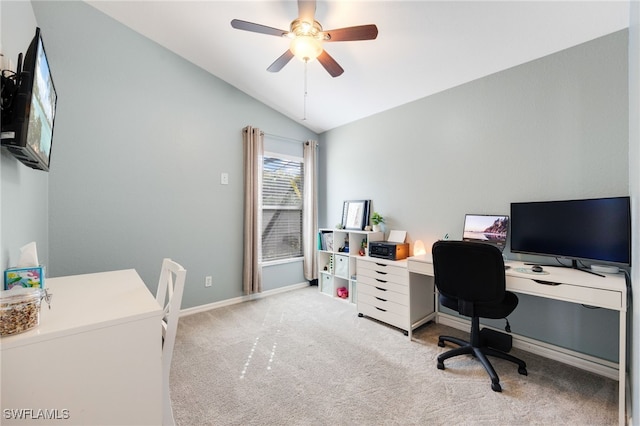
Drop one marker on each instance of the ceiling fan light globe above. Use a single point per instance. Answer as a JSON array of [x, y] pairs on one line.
[[306, 48], [305, 27]]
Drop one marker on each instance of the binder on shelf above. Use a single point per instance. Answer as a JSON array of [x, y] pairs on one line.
[[326, 240]]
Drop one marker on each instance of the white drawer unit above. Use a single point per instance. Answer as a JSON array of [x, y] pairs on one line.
[[382, 313], [386, 294], [384, 272]]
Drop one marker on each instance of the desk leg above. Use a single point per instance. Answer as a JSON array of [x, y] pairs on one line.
[[622, 370], [421, 302]]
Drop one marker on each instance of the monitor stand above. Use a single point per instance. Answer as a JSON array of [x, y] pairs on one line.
[[574, 265]]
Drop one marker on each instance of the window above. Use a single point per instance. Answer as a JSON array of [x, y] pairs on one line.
[[282, 185]]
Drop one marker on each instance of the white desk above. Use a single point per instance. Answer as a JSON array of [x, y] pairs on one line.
[[94, 359], [573, 286]]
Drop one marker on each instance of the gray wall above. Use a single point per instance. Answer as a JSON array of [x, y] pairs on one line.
[[553, 128], [141, 138], [23, 191]]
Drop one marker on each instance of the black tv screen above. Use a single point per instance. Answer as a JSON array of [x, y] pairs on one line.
[[27, 123], [590, 229]]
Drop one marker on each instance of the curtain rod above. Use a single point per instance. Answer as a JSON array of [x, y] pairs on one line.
[[284, 138]]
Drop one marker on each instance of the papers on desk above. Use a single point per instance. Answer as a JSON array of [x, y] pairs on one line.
[[397, 236]]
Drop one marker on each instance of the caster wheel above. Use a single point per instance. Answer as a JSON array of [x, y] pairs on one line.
[[441, 343], [440, 365], [496, 387], [522, 370], [360, 315], [406, 333]]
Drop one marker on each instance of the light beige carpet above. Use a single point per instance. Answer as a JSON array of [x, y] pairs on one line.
[[302, 358]]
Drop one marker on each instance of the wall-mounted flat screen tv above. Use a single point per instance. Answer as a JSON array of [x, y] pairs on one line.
[[596, 229], [28, 112]]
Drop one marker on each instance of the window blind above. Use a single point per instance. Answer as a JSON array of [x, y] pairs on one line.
[[282, 186]]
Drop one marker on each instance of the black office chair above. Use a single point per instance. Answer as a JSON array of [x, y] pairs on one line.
[[470, 279]]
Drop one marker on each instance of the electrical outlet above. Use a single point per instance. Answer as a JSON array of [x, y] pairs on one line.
[[208, 281], [224, 178]]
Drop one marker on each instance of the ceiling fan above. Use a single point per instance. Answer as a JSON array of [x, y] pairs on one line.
[[307, 37]]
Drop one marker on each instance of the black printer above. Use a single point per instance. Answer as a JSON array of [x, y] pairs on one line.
[[388, 250]]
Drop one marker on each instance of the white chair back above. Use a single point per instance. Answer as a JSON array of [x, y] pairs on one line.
[[169, 297]]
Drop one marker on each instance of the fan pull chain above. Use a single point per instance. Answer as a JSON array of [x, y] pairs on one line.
[[304, 118]]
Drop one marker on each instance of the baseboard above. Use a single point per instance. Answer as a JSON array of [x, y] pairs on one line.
[[585, 362], [236, 300]]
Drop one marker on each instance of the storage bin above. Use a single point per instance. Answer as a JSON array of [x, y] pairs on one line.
[[342, 266], [326, 284]]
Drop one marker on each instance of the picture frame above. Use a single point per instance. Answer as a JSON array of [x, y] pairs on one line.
[[355, 214]]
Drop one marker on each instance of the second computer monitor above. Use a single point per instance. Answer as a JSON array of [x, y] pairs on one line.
[[492, 229]]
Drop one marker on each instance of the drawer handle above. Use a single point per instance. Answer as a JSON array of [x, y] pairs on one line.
[[381, 264], [381, 273], [546, 282], [381, 289], [380, 281], [380, 309], [381, 299]]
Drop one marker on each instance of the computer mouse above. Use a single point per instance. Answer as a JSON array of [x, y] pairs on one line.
[[537, 268]]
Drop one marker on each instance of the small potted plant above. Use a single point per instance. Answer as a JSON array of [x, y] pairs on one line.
[[376, 219]]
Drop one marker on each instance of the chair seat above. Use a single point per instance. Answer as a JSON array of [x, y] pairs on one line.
[[486, 310]]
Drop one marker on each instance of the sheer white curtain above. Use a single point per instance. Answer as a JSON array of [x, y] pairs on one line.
[[310, 210], [253, 149]]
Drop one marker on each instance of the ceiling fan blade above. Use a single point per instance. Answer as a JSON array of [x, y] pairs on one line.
[[361, 32], [257, 28], [330, 64], [279, 63], [307, 10]]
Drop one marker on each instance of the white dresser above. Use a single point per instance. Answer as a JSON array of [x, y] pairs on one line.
[[95, 358], [386, 293]]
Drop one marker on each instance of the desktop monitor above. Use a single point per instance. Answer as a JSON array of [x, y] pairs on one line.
[[491, 229], [597, 229]]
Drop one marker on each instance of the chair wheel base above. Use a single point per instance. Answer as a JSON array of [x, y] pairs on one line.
[[496, 387], [523, 371]]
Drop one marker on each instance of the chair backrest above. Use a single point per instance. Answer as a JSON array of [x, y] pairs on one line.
[[169, 297], [469, 271]]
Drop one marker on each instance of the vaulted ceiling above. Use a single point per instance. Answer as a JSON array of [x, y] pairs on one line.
[[423, 47]]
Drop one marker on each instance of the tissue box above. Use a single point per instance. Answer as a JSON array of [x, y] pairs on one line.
[[31, 277]]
